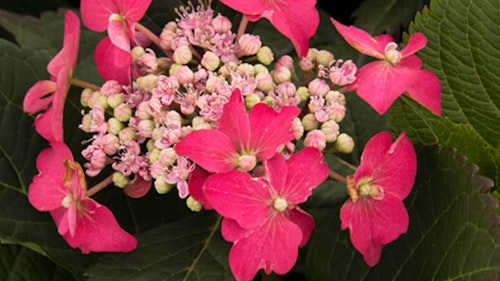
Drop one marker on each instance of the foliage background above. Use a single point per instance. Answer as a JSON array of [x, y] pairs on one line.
[[454, 226]]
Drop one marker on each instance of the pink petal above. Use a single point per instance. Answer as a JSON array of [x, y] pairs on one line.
[[416, 43], [98, 231], [238, 196], [392, 166], [276, 170], [304, 221], [211, 149], [380, 84], [232, 231], [234, 121], [37, 98], [50, 123], [426, 90], [197, 179], [248, 7], [47, 191], [66, 58], [137, 188], [95, 14], [133, 10], [306, 170], [297, 20], [373, 223], [272, 247], [112, 62], [118, 35], [270, 129], [362, 41]]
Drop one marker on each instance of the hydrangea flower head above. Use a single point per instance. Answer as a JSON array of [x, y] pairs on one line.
[[49, 123], [375, 213], [261, 215], [396, 72], [60, 188], [297, 20]]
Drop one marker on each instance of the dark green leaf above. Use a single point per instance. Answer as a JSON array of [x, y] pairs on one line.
[[18, 263], [190, 249], [453, 234]]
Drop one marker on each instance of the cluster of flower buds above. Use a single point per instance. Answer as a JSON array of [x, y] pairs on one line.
[[135, 128]]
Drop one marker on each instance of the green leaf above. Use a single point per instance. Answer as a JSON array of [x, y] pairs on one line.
[[20, 263], [190, 249], [378, 16], [463, 53], [453, 234]]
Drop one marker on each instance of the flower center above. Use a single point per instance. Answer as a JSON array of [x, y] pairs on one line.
[[280, 204], [363, 189], [392, 55], [65, 202], [247, 162]]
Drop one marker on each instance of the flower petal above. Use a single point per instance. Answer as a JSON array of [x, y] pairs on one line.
[[304, 221], [270, 129], [197, 179], [234, 121], [306, 170], [272, 247], [211, 149], [37, 98], [380, 84], [95, 14], [67, 56], [362, 41], [112, 62], [98, 231], [118, 35], [137, 188], [238, 196], [47, 191], [426, 90], [416, 43], [372, 223]]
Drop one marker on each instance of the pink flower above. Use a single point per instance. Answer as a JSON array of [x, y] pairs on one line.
[[396, 72], [240, 139], [375, 214], [60, 188], [262, 216], [49, 123], [297, 20], [119, 17]]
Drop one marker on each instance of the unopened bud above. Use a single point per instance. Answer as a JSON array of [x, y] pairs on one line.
[[324, 57], [109, 144], [147, 83], [127, 133], [265, 55], [193, 205], [115, 100], [309, 122], [249, 44], [281, 74], [114, 126], [86, 93], [221, 24], [162, 186], [318, 87], [303, 93], [120, 180], [344, 143], [331, 130], [137, 51], [183, 55], [210, 61], [123, 112], [264, 81], [297, 128], [315, 138], [251, 100], [245, 69]]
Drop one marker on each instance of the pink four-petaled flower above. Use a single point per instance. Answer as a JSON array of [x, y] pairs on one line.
[[396, 72], [261, 215], [297, 20], [49, 123], [60, 188], [375, 213]]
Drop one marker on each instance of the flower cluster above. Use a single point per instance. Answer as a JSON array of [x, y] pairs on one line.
[[211, 113]]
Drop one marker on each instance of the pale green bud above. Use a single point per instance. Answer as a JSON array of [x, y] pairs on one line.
[[115, 100], [123, 112], [344, 143], [265, 55], [162, 186], [114, 126], [120, 180], [310, 122], [86, 93], [251, 100], [303, 93], [127, 133], [324, 57], [193, 205]]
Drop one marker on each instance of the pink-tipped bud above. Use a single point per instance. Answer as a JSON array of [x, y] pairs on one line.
[[145, 128], [297, 128], [306, 64], [285, 61], [221, 24], [245, 69], [128, 133], [331, 130], [111, 87], [183, 55], [210, 61], [265, 82], [184, 75], [315, 138], [123, 112], [249, 44], [318, 87], [142, 111], [109, 144], [281, 74], [309, 122]]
